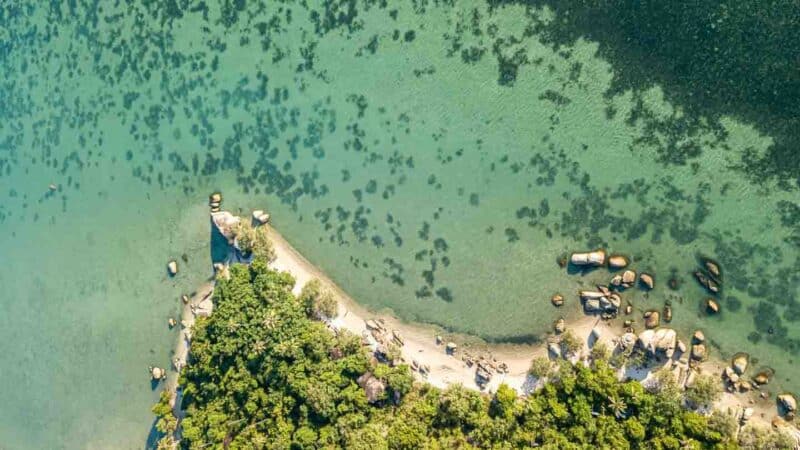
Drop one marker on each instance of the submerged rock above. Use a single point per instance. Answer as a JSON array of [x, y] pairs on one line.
[[616, 280], [762, 378], [617, 261], [647, 280], [712, 267], [651, 319], [594, 258], [560, 326], [172, 268], [667, 313], [216, 197]]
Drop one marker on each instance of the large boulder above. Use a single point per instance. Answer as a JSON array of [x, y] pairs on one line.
[[652, 319], [373, 387], [627, 341], [226, 223], [788, 402], [647, 280], [739, 362], [617, 261], [628, 277], [595, 258], [660, 342], [698, 352], [172, 268], [592, 306]]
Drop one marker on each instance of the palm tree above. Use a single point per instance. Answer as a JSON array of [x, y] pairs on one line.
[[618, 407]]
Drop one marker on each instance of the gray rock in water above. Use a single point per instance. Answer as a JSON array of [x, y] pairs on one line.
[[647, 280], [172, 267], [595, 258], [617, 261]]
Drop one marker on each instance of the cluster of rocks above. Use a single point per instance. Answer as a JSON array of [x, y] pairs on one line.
[[485, 368], [215, 202], [157, 373], [709, 275], [602, 301]]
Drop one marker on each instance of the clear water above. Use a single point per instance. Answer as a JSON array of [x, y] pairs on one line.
[[441, 186]]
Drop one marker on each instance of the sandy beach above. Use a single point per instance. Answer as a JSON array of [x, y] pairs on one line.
[[420, 344]]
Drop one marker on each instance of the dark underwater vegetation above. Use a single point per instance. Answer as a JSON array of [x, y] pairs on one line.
[[434, 158]]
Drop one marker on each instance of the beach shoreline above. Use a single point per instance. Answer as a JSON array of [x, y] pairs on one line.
[[421, 347]]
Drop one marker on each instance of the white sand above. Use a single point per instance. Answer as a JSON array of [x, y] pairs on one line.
[[420, 343], [419, 340]]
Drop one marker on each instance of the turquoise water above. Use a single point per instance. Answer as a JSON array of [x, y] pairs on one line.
[[434, 159]]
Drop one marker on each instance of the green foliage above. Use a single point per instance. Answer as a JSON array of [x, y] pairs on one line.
[[600, 352], [541, 367], [704, 391], [262, 375], [318, 302], [758, 438], [570, 344], [254, 240]]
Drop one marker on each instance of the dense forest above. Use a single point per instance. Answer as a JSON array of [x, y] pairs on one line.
[[264, 373]]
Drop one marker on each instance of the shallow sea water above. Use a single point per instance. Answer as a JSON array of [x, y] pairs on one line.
[[433, 160]]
